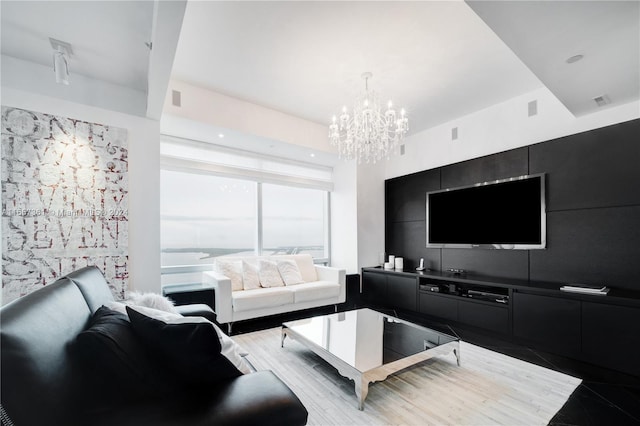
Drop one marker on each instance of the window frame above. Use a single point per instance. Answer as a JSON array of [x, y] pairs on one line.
[[184, 165]]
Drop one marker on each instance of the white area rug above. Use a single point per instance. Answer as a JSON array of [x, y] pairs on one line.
[[487, 389]]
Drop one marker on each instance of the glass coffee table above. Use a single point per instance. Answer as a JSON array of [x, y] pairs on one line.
[[367, 346]]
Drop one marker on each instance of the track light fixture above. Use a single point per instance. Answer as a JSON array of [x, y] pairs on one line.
[[61, 53]]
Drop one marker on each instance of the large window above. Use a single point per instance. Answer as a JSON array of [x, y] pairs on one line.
[[217, 204], [203, 216], [293, 220]]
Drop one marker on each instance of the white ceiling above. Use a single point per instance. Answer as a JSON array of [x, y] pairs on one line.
[[437, 59], [545, 34], [107, 37]]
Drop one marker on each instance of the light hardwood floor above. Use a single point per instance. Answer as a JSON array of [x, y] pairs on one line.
[[488, 389]]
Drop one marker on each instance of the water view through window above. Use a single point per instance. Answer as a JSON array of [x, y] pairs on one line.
[[293, 220], [206, 216], [203, 216]]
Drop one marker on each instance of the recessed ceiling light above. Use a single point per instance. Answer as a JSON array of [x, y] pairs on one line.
[[312, 154], [220, 135], [574, 58]]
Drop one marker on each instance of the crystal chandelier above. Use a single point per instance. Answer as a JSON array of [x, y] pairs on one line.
[[368, 134]]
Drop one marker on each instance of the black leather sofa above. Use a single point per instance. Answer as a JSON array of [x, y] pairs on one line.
[[42, 383]]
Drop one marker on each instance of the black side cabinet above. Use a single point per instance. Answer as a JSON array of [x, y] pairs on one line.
[[455, 301], [611, 336], [374, 288], [390, 290], [603, 330], [402, 292], [548, 322]]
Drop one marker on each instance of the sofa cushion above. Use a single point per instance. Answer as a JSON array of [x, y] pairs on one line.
[[228, 347], [261, 298], [305, 265], [231, 269], [260, 398], [269, 274], [250, 277], [289, 272], [191, 349], [117, 365], [315, 291]]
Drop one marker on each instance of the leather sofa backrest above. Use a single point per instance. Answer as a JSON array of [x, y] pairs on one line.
[[93, 286], [304, 262], [36, 330]]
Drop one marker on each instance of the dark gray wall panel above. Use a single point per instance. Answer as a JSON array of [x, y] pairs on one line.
[[408, 240], [497, 263], [492, 167], [588, 239], [596, 246], [600, 168], [406, 196]]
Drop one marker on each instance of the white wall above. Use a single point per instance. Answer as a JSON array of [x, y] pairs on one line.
[[206, 106], [500, 128], [344, 218], [357, 215], [144, 177], [370, 199], [36, 78]]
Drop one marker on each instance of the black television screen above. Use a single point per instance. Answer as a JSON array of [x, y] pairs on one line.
[[504, 214]]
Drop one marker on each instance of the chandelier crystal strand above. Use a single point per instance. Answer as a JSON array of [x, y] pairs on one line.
[[368, 134]]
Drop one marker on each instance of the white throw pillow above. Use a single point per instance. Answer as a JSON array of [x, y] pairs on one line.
[[231, 269], [151, 300], [117, 306], [305, 265], [230, 349], [269, 274], [250, 277], [289, 272]]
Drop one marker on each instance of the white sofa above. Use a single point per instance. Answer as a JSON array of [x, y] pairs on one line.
[[322, 286]]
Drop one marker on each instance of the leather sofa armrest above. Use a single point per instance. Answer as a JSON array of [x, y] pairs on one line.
[[222, 286], [197, 310], [336, 275]]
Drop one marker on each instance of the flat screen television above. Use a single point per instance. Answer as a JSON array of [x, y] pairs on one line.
[[503, 214]]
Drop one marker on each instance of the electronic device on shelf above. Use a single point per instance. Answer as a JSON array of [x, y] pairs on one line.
[[487, 295], [457, 271], [421, 267]]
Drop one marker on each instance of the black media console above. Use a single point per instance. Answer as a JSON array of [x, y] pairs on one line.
[[602, 330]]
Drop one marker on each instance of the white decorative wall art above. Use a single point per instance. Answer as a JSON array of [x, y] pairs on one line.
[[64, 201]]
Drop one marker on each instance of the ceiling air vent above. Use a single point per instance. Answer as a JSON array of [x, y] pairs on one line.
[[602, 100]]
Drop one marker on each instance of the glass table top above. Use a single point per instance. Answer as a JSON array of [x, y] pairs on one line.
[[366, 339]]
